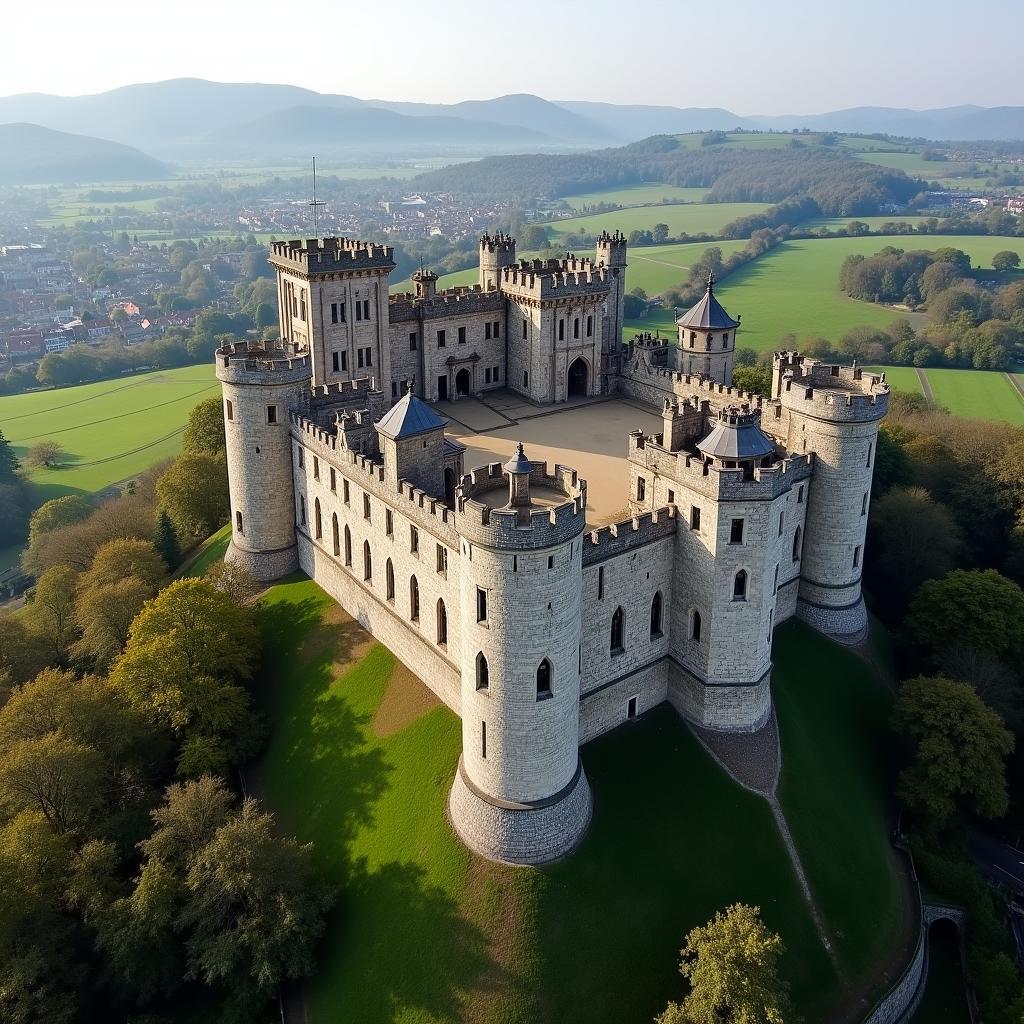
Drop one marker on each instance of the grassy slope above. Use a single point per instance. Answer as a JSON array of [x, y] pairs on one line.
[[833, 717], [900, 378], [637, 195], [982, 394], [424, 932], [110, 430], [691, 218]]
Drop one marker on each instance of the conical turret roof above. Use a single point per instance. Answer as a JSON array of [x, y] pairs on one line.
[[708, 314], [408, 417]]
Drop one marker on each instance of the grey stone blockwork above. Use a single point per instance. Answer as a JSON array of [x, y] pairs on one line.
[[521, 834], [266, 566]]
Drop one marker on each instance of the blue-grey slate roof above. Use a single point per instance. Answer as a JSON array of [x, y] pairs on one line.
[[408, 417], [708, 313]]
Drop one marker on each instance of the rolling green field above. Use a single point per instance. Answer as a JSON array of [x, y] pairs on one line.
[[426, 933], [874, 223], [110, 430], [900, 378], [691, 218], [637, 195], [980, 394]]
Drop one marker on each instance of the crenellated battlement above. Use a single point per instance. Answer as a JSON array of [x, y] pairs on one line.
[[465, 300], [615, 538], [717, 482], [684, 385], [553, 279], [828, 390], [266, 362], [498, 243], [331, 255], [521, 528], [611, 248]]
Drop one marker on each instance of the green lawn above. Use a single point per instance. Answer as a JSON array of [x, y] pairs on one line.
[[110, 430], [900, 378], [874, 223], [981, 394], [836, 744], [691, 218], [637, 195], [360, 764]]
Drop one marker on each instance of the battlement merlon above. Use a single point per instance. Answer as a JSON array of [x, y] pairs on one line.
[[566, 279], [611, 248], [498, 242], [404, 307], [516, 529], [763, 483], [274, 363], [330, 256], [615, 538], [827, 390]]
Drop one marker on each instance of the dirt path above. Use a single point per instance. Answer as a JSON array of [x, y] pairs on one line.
[[926, 387], [1018, 384]]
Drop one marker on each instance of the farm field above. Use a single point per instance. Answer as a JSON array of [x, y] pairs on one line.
[[689, 218], [900, 378], [110, 430], [591, 938], [917, 167], [980, 394], [874, 223], [637, 195]]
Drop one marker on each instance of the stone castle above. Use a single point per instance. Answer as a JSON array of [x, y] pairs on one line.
[[539, 633]]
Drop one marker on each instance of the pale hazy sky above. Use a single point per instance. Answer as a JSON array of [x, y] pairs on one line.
[[750, 56]]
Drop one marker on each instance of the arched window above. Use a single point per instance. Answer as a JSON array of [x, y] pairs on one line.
[[335, 532], [367, 561], [389, 573], [695, 626], [414, 599], [442, 624], [316, 520], [544, 679], [797, 538], [739, 586], [348, 546], [617, 620], [482, 677], [656, 615]]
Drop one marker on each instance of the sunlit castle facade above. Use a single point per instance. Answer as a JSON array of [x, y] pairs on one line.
[[540, 633]]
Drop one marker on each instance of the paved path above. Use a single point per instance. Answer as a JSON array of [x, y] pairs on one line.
[[926, 387], [1017, 382]]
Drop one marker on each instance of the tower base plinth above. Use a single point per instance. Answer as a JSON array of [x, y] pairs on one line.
[[846, 625], [526, 833], [266, 566]]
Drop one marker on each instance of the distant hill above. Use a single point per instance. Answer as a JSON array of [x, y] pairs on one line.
[[630, 122], [33, 155], [323, 129]]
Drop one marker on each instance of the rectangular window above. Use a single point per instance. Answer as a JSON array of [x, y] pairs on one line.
[[238, 523], [271, 413], [440, 339], [481, 604], [414, 540], [496, 377], [334, 480], [334, 312], [483, 740], [316, 468], [462, 335], [359, 357], [864, 504], [412, 341], [600, 583], [497, 328], [230, 409], [641, 488], [671, 497], [782, 518], [302, 510], [442, 559], [394, 389], [800, 495], [344, 491], [775, 589], [736, 532], [694, 517], [366, 506], [369, 357], [359, 311], [561, 330], [366, 309], [870, 446], [302, 458], [856, 557], [335, 361], [344, 361], [590, 326], [302, 308], [524, 328], [389, 523], [487, 375], [551, 561], [341, 312], [576, 327], [487, 331]]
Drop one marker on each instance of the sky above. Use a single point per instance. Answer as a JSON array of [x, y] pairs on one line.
[[749, 56]]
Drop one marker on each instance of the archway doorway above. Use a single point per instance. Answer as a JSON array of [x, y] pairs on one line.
[[578, 379], [462, 382]]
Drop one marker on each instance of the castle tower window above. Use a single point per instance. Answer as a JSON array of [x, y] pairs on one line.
[[618, 619], [497, 328], [870, 446], [302, 307], [487, 332], [344, 491], [695, 625], [694, 517], [341, 312], [442, 624], [739, 586], [656, 616], [302, 457], [334, 480], [414, 599], [487, 375], [359, 311], [412, 341], [238, 523], [641, 488], [271, 413], [334, 314], [671, 496], [389, 578], [366, 309], [302, 510], [359, 358], [336, 533], [800, 494], [561, 329], [496, 375], [576, 327], [544, 680], [366, 506], [369, 357], [462, 335], [483, 740], [230, 409], [775, 585], [590, 326], [440, 339], [481, 604], [856, 557], [317, 522], [482, 675], [367, 562], [344, 362], [316, 468], [782, 519], [600, 582], [796, 544], [524, 328], [526, 379], [414, 540], [389, 523], [442, 559], [864, 504], [334, 362], [348, 546], [736, 532]]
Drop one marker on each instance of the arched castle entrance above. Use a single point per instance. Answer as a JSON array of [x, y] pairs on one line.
[[463, 383], [578, 374]]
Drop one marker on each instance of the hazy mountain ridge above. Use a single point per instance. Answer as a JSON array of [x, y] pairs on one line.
[[32, 154]]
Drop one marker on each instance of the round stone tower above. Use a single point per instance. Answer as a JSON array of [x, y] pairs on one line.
[[834, 412], [261, 384], [520, 794], [707, 338], [496, 251]]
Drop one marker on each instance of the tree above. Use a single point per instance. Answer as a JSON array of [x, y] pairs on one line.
[[235, 580], [166, 540], [732, 966], [659, 233], [104, 614], [194, 492], [959, 749], [1005, 259], [981, 609], [757, 379], [56, 514], [52, 612], [124, 558], [45, 453], [204, 432], [8, 462]]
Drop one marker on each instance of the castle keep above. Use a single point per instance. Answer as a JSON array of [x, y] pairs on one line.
[[539, 633]]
